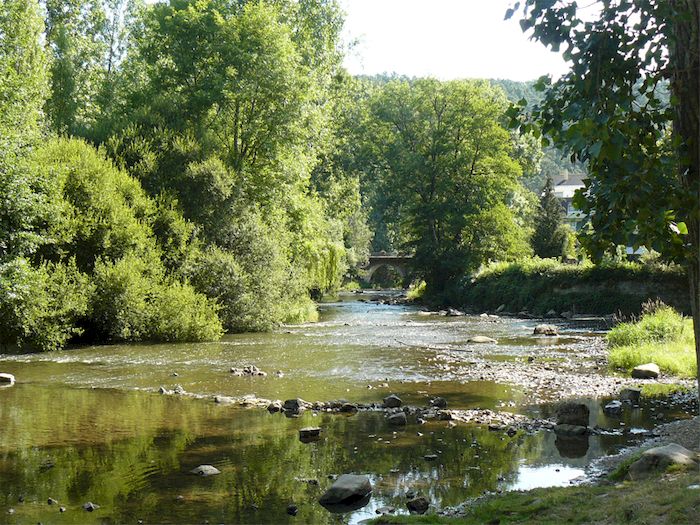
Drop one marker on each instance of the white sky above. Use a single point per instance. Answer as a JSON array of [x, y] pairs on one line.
[[443, 38]]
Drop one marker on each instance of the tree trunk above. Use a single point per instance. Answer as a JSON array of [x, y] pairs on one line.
[[685, 85]]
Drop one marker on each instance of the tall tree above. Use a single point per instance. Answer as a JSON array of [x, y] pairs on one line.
[[610, 111], [549, 235], [22, 94], [447, 161]]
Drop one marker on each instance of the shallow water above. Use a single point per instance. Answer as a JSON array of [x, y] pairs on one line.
[[85, 424]]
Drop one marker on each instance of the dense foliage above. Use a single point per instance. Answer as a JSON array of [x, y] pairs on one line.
[[611, 112], [202, 209], [540, 285], [443, 176]]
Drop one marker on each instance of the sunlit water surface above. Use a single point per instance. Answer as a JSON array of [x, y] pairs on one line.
[[86, 424]]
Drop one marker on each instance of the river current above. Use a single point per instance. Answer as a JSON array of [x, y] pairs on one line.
[[87, 424]]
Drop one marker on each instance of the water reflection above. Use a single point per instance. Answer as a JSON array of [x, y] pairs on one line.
[[131, 452]]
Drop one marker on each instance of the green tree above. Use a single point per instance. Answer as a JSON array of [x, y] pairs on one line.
[[550, 235], [610, 111], [76, 37], [447, 160], [22, 91]]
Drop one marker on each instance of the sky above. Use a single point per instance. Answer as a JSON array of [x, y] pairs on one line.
[[445, 39]]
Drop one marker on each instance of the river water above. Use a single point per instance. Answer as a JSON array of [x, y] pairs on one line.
[[87, 424]]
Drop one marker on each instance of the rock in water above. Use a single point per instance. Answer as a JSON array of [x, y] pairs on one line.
[[614, 407], [481, 339], [348, 408], [348, 491], [292, 510], [546, 329], [205, 470], [90, 506], [7, 379], [438, 402], [570, 430], [631, 395], [275, 406], [418, 505], [660, 458], [397, 420], [573, 414], [309, 434], [647, 371], [392, 401]]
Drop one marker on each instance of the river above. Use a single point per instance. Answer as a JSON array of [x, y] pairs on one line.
[[87, 424]]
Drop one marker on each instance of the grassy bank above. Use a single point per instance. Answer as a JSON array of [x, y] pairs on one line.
[[640, 502], [661, 336], [540, 285]]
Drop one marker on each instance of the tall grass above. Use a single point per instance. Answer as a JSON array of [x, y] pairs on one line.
[[661, 336]]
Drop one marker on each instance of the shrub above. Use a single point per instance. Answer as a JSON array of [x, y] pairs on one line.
[[120, 305], [661, 335], [40, 307], [133, 302], [179, 313], [217, 274]]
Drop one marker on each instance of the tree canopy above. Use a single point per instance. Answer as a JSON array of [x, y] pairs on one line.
[[611, 112]]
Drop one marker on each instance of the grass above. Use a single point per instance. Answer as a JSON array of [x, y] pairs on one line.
[[661, 336], [658, 500]]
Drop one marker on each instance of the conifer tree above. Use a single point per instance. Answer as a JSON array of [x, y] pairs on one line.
[[550, 234]]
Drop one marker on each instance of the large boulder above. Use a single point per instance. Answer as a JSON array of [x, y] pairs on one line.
[[572, 414], [646, 371], [570, 430], [294, 405], [8, 379], [546, 329], [660, 458], [349, 491], [392, 401]]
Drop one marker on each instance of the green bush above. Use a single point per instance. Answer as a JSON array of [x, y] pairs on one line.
[[217, 274], [40, 307], [133, 302], [179, 313], [120, 305]]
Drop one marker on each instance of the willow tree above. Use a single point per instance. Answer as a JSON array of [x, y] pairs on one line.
[[612, 111]]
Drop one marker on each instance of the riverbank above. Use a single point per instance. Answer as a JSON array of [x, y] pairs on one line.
[[542, 286]]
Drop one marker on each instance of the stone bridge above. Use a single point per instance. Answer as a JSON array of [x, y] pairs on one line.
[[401, 263]]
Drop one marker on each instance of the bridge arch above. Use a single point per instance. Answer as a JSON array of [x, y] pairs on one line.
[[400, 263]]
